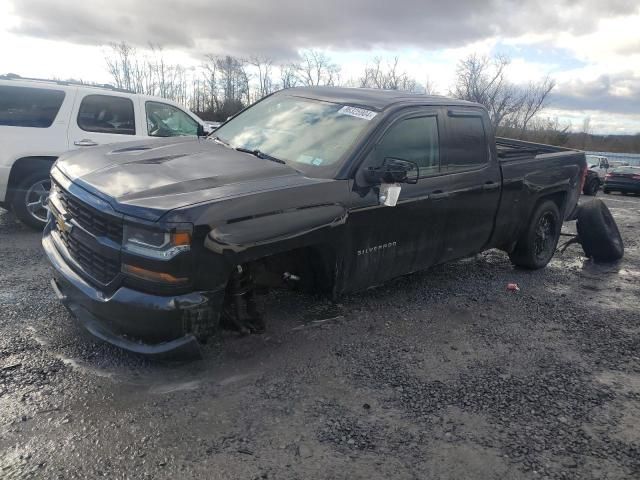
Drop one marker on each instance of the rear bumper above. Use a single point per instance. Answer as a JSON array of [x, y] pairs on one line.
[[622, 186], [132, 320]]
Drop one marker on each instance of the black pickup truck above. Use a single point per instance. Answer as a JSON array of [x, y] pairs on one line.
[[156, 244]]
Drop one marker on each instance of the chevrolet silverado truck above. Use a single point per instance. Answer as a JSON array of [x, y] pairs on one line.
[[157, 244]]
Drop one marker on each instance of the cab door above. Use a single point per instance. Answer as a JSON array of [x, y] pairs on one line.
[[385, 242], [101, 118], [473, 183]]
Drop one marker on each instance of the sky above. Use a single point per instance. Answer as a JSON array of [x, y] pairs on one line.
[[590, 47]]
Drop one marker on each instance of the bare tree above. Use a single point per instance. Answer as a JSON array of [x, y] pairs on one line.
[[484, 80], [377, 75], [317, 69], [234, 84], [536, 96], [264, 66], [288, 75], [429, 87], [210, 74], [119, 64]]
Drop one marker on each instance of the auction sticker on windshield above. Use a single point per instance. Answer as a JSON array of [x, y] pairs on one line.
[[357, 112]]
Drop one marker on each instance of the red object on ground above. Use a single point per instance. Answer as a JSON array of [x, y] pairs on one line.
[[513, 287]]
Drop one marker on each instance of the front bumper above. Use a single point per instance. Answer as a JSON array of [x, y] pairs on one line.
[[132, 320]]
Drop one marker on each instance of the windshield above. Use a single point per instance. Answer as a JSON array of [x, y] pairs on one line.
[[310, 135]]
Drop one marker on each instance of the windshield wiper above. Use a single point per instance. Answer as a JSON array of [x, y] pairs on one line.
[[219, 140], [262, 155]]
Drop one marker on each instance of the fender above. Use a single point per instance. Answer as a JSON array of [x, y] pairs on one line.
[[273, 231]]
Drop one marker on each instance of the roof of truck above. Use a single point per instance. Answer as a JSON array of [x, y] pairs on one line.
[[374, 98]]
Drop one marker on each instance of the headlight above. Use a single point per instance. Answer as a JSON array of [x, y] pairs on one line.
[[155, 243]]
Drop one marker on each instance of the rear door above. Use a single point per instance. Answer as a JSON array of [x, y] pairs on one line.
[[473, 183], [102, 118]]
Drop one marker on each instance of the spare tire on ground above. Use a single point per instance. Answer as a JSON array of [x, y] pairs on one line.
[[598, 232]]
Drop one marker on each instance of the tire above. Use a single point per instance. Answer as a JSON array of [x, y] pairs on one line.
[[538, 243], [30, 197], [592, 187], [606, 190], [598, 232]]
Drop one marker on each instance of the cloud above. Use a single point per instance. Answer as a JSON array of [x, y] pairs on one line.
[[613, 93], [279, 28]]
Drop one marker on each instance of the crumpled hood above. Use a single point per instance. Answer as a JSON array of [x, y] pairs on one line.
[[148, 178]]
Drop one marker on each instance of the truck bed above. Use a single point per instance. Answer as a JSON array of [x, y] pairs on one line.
[[528, 171]]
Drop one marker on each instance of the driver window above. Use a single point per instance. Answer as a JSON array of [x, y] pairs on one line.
[[413, 139], [165, 120]]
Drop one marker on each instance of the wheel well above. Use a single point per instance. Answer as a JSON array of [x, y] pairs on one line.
[[559, 198], [23, 167], [313, 268]]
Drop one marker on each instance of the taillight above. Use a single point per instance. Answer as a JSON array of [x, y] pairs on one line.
[[584, 177], [608, 175], [636, 177]]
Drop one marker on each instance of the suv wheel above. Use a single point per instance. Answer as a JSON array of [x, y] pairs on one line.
[[538, 243], [30, 199], [592, 187]]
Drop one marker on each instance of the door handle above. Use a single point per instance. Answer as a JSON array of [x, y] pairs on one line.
[[438, 194], [85, 142], [490, 186]]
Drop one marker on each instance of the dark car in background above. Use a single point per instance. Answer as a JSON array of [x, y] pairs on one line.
[[623, 179]]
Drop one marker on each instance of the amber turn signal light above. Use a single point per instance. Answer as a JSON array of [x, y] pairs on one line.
[[151, 275]]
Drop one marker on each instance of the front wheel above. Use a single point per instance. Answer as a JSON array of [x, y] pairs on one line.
[[30, 199], [539, 241]]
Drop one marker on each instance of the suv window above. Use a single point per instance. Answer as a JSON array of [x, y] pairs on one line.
[[29, 107], [107, 114], [414, 139], [165, 120], [467, 148]]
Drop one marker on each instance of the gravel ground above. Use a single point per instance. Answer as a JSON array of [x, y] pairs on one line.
[[442, 374]]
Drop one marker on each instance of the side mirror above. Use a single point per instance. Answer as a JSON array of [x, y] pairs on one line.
[[200, 132], [393, 170]]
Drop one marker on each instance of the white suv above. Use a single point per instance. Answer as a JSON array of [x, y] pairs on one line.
[[41, 119]]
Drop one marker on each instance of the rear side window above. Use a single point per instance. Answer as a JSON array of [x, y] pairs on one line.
[[29, 107], [414, 139], [107, 114], [467, 145]]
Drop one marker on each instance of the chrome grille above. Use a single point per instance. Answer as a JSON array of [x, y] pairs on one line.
[[99, 267], [88, 218]]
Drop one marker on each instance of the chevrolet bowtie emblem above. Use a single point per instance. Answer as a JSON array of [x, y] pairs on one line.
[[63, 225]]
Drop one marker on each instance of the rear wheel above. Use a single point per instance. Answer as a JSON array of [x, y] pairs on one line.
[[538, 243], [30, 199], [592, 187], [598, 232]]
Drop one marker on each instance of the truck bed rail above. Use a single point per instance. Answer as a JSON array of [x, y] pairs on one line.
[[509, 148]]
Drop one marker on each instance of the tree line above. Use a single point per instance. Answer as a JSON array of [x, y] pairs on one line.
[[224, 84]]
